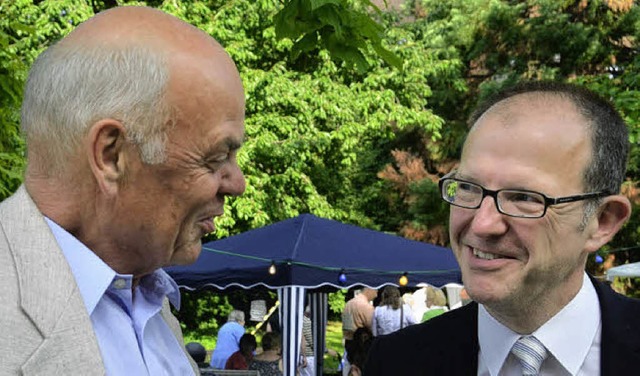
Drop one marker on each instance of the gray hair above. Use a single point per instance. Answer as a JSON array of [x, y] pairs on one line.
[[71, 86], [236, 316]]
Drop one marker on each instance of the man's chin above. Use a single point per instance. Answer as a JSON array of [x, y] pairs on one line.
[[187, 256]]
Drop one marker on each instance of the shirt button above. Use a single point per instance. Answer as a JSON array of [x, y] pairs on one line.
[[120, 283]]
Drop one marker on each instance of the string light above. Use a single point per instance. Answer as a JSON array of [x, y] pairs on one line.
[[342, 278], [599, 259], [403, 279], [273, 269]]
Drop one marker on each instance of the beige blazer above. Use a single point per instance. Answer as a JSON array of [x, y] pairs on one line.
[[44, 326]]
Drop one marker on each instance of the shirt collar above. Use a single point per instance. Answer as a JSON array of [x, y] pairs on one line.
[[94, 277], [578, 320]]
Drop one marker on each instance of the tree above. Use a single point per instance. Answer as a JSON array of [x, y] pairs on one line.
[[26, 28], [593, 43]]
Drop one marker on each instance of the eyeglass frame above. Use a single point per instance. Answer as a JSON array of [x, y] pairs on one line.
[[548, 201]]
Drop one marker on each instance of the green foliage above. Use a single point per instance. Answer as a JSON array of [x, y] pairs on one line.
[[26, 28], [428, 196], [497, 43], [316, 138], [334, 25], [202, 313], [336, 301]]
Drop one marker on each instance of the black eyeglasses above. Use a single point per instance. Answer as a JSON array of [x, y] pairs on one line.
[[512, 202]]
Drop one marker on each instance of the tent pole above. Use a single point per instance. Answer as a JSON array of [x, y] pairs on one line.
[[292, 308], [319, 311]]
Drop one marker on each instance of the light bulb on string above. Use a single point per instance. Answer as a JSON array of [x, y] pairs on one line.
[[342, 278], [272, 268], [403, 279], [599, 259]]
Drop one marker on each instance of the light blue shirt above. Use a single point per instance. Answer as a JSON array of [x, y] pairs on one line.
[[228, 342], [133, 337]]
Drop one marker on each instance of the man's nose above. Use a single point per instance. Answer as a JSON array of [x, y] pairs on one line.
[[487, 220], [233, 183]]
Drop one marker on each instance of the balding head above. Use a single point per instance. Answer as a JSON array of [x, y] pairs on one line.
[[139, 26], [134, 108], [606, 129], [117, 65]]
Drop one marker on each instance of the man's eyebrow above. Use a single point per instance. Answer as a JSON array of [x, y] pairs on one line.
[[462, 176], [233, 143]]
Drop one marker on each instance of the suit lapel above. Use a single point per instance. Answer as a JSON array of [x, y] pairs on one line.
[[468, 345], [174, 325], [48, 291], [457, 344]]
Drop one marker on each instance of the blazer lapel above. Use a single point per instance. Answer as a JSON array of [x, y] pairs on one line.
[[174, 325], [48, 291], [465, 360], [456, 347]]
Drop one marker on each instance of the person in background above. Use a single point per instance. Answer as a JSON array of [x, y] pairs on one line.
[[357, 313], [198, 353], [392, 314], [536, 194], [269, 361], [436, 303], [132, 123], [241, 358], [228, 340], [307, 354], [358, 349]]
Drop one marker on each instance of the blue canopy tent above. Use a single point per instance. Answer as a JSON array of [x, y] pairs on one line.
[[310, 254], [631, 270]]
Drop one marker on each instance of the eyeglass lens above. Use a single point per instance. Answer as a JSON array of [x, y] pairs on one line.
[[511, 202]]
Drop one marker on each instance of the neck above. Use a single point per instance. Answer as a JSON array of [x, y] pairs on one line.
[[528, 315], [56, 198], [70, 200]]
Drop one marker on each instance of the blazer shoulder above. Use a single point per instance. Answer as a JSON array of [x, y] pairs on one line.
[[410, 350], [613, 302], [620, 344]]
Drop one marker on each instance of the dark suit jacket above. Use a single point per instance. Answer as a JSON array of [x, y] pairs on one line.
[[448, 344]]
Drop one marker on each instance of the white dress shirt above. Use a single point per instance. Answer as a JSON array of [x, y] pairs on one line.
[[133, 337], [572, 339]]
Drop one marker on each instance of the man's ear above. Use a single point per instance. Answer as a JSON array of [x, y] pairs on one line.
[[105, 152], [611, 216]]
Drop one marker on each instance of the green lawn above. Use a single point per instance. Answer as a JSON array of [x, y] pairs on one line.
[[334, 342]]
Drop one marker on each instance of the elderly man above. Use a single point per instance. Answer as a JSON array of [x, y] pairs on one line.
[[536, 193], [132, 124], [228, 340]]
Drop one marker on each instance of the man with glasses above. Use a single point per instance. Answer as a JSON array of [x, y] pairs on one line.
[[536, 193]]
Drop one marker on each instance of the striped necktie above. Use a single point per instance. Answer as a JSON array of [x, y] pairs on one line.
[[531, 353]]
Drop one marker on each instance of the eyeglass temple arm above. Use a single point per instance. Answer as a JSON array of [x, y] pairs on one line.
[[562, 200]]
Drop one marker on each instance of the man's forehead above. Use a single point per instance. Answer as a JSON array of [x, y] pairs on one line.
[[529, 104], [536, 115]]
